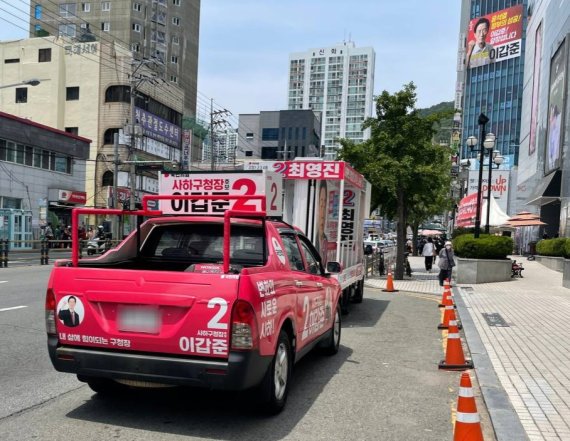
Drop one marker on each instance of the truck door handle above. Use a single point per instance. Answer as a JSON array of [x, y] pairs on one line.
[[319, 285], [297, 283]]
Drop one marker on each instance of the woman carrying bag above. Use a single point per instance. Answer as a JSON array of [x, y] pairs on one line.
[[446, 262]]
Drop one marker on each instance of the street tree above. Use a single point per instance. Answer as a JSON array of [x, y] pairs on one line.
[[409, 173]]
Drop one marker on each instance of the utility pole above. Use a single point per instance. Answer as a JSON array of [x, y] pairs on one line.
[[115, 179], [217, 119]]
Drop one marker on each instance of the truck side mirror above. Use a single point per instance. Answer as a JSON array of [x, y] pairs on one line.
[[334, 267]]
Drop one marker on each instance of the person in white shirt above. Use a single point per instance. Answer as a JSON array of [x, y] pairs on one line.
[[428, 251]]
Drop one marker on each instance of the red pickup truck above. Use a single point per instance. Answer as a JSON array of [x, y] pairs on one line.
[[227, 302]]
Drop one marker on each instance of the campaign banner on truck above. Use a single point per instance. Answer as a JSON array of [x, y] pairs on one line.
[[222, 184], [495, 37]]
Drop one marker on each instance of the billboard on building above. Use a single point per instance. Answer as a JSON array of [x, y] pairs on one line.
[[500, 183], [535, 90], [495, 37], [556, 103]]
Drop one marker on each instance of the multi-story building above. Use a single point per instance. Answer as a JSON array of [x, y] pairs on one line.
[[543, 183], [85, 90], [338, 82], [490, 79], [167, 30], [42, 176], [282, 134], [225, 146]]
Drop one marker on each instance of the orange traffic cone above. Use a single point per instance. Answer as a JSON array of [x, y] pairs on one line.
[[448, 317], [390, 284], [446, 298], [454, 358], [467, 423]]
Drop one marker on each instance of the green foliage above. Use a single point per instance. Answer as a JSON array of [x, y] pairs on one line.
[[461, 230], [444, 125], [486, 247], [559, 247]]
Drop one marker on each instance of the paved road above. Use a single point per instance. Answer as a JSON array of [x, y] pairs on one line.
[[384, 383]]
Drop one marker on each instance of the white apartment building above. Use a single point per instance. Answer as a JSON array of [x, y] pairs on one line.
[[337, 81], [225, 145]]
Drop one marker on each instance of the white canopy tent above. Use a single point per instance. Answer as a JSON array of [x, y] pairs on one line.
[[497, 216]]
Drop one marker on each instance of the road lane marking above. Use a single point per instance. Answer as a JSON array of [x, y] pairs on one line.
[[12, 308], [3, 281]]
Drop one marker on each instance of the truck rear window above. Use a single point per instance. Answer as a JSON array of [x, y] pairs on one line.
[[197, 243]]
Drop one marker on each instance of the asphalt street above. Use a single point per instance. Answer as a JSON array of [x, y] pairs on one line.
[[383, 384]]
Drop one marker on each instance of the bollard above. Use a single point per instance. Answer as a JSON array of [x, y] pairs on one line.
[[45, 252], [1, 253]]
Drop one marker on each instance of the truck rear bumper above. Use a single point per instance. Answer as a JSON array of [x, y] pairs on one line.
[[241, 371]]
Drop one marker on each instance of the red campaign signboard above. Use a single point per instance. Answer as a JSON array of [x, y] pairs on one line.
[[467, 211], [495, 37], [319, 170]]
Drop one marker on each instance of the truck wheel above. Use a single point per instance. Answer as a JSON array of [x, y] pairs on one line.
[[274, 388], [359, 292], [345, 300], [104, 386], [332, 342]]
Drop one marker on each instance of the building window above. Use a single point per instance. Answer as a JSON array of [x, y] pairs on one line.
[[118, 94], [249, 136], [174, 59], [67, 30], [72, 130], [11, 60], [109, 136], [173, 79], [136, 47], [44, 55], [249, 153], [106, 6], [107, 180], [38, 12], [86, 7], [137, 7], [176, 2], [106, 26], [176, 21], [175, 39], [22, 95], [72, 94], [136, 27], [270, 134], [67, 9]]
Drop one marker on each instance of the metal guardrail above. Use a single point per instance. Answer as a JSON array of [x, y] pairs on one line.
[[41, 249]]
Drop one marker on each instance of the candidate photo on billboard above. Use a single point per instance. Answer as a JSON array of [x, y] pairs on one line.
[[494, 37], [556, 103]]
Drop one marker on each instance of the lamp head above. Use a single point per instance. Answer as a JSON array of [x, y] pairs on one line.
[[489, 142], [472, 141]]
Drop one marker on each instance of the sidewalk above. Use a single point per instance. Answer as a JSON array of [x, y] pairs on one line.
[[518, 334]]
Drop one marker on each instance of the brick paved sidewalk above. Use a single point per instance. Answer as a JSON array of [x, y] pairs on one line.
[[421, 281], [531, 355]]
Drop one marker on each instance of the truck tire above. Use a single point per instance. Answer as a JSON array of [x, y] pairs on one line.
[[274, 387], [345, 300], [331, 343], [104, 387], [358, 292]]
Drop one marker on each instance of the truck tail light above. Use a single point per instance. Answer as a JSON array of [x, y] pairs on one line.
[[50, 312], [244, 327]]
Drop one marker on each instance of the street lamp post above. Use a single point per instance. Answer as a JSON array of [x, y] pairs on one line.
[[32, 82], [494, 158], [483, 120]]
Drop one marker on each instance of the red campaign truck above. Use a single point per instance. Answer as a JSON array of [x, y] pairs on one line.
[[213, 290], [329, 201]]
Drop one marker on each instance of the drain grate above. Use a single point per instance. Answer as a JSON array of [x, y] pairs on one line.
[[495, 319]]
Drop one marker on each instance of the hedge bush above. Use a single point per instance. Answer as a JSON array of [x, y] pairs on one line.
[[559, 247], [486, 247], [459, 231]]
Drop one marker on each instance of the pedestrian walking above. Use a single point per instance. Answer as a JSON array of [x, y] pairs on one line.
[[446, 262], [428, 252]]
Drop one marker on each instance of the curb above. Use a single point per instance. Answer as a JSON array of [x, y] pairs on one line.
[[505, 420]]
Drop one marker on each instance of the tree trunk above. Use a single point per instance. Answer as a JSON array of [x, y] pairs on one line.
[[401, 237], [415, 228]]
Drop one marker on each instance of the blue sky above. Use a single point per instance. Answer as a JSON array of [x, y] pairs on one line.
[[245, 45]]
